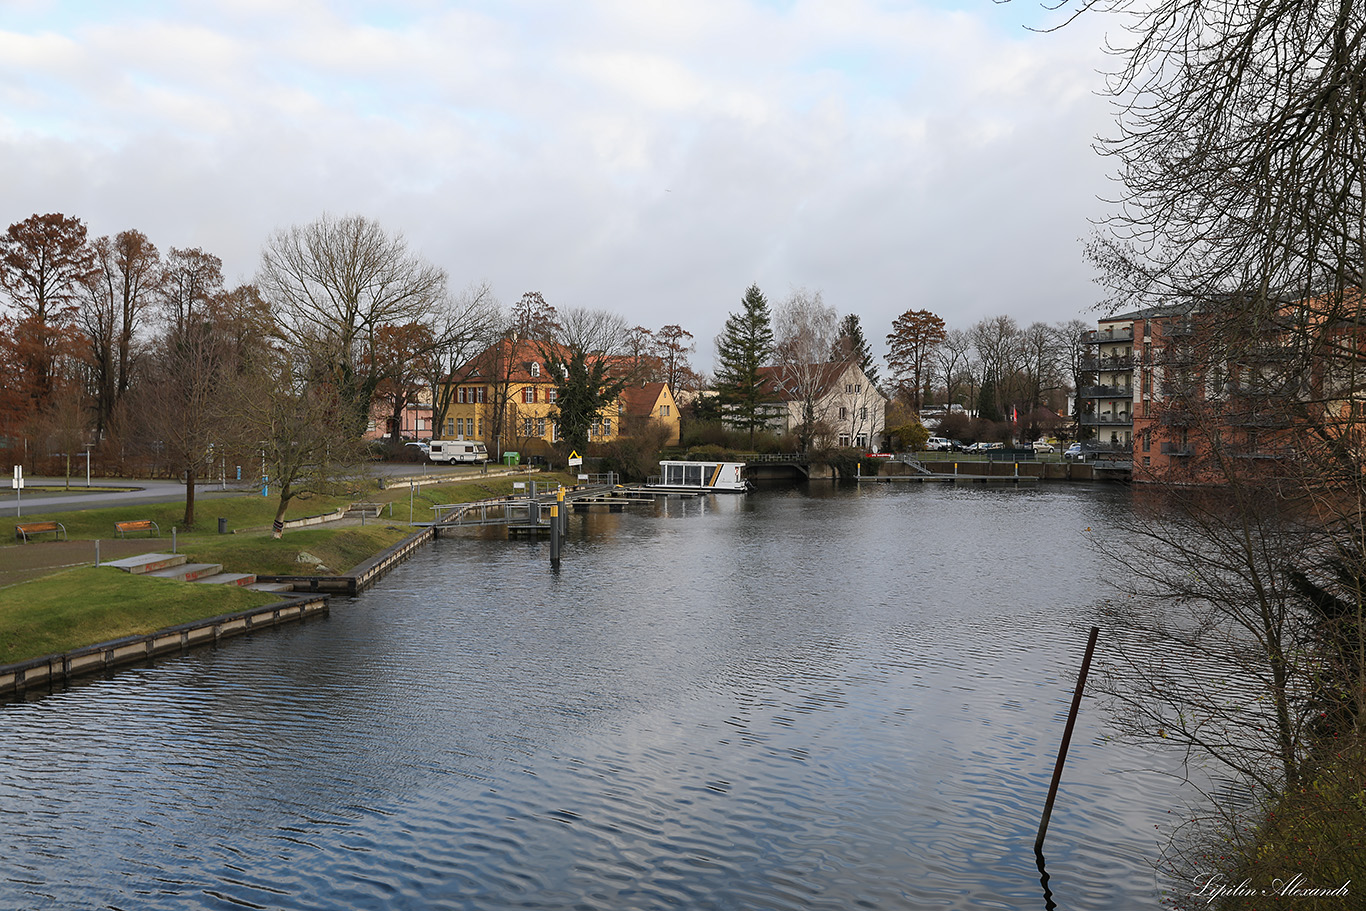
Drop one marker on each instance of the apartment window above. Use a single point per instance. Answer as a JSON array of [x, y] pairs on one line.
[[529, 395], [450, 426], [607, 427], [540, 427], [526, 427], [460, 396], [863, 413], [664, 411], [552, 394], [459, 427], [596, 429], [1147, 441], [848, 387], [535, 368], [858, 387], [479, 395], [844, 439], [844, 416], [862, 441]]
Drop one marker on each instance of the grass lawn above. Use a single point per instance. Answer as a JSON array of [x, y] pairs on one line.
[[72, 607], [93, 604]]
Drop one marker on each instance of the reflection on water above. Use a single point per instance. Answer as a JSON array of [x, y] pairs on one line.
[[835, 699]]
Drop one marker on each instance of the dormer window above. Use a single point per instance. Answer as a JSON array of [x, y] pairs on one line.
[[535, 368]]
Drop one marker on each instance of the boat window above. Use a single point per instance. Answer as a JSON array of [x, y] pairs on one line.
[[692, 475]]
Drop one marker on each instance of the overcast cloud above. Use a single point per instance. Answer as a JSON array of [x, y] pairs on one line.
[[652, 158]]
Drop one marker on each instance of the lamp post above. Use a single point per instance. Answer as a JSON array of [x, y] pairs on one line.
[[87, 462]]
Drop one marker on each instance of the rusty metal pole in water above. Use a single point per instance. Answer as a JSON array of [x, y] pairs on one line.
[[1066, 739]]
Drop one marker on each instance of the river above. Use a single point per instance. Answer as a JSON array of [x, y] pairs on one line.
[[831, 698]]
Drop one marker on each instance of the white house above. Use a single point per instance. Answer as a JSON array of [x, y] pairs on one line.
[[842, 406]]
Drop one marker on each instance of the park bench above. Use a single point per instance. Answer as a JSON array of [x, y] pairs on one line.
[[138, 525], [26, 529]]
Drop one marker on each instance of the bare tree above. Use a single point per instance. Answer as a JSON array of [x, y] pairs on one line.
[[118, 295], [912, 343], [586, 363], [805, 330], [334, 283], [462, 327]]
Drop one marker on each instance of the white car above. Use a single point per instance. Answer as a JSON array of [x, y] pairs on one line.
[[1044, 446], [938, 444]]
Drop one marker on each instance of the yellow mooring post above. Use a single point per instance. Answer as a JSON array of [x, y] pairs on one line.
[[555, 528]]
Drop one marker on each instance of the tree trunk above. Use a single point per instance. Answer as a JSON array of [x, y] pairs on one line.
[[189, 497]]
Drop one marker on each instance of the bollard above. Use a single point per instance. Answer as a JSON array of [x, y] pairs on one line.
[[222, 525], [173, 550], [97, 551], [555, 536], [564, 513]]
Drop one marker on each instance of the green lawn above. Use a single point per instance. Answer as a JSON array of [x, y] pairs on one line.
[[70, 608], [87, 605]]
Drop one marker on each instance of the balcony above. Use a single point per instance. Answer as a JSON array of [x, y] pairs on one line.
[[1178, 449], [1123, 419], [1178, 327], [1097, 337], [1271, 420], [1107, 364], [1107, 392]]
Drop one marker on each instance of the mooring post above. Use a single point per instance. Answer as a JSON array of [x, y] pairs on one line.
[[564, 513], [555, 535], [1066, 739]]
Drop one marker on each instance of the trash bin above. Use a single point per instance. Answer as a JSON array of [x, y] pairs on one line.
[[512, 458], [222, 525]]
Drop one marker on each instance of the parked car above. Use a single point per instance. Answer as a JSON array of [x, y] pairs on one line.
[[1044, 446], [938, 444], [417, 446], [1073, 452], [983, 447]]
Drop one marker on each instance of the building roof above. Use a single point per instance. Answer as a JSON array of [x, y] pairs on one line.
[[826, 379], [641, 400]]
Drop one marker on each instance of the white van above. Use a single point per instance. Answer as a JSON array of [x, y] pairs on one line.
[[457, 451]]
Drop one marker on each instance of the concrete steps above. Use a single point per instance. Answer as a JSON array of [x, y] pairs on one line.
[[148, 563], [270, 587], [228, 579], [188, 572], [178, 567]]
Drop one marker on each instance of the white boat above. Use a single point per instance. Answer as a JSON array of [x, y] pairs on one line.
[[686, 476]]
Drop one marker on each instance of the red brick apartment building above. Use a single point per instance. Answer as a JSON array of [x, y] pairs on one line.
[[1197, 399]]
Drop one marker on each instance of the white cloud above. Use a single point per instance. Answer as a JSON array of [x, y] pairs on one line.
[[646, 155]]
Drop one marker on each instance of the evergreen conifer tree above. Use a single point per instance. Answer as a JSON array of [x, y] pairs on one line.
[[853, 346], [745, 346]]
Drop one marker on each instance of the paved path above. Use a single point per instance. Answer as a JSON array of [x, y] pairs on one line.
[[144, 492]]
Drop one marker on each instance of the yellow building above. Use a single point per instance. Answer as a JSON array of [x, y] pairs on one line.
[[505, 397]]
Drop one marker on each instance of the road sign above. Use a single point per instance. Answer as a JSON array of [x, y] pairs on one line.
[[18, 482], [574, 459]]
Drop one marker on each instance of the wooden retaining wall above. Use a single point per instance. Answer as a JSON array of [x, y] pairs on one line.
[[95, 659]]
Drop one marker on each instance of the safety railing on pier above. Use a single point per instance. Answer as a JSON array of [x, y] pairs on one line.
[[508, 511]]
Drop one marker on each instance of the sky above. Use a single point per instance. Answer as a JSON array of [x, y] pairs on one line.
[[650, 157]]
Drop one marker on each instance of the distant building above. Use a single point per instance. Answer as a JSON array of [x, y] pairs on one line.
[[846, 409]]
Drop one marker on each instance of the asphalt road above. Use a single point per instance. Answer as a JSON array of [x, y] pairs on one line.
[[33, 502]]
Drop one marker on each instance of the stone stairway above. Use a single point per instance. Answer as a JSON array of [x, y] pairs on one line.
[[179, 567]]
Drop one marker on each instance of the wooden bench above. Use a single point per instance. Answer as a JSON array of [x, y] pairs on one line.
[[138, 525], [24, 530]]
